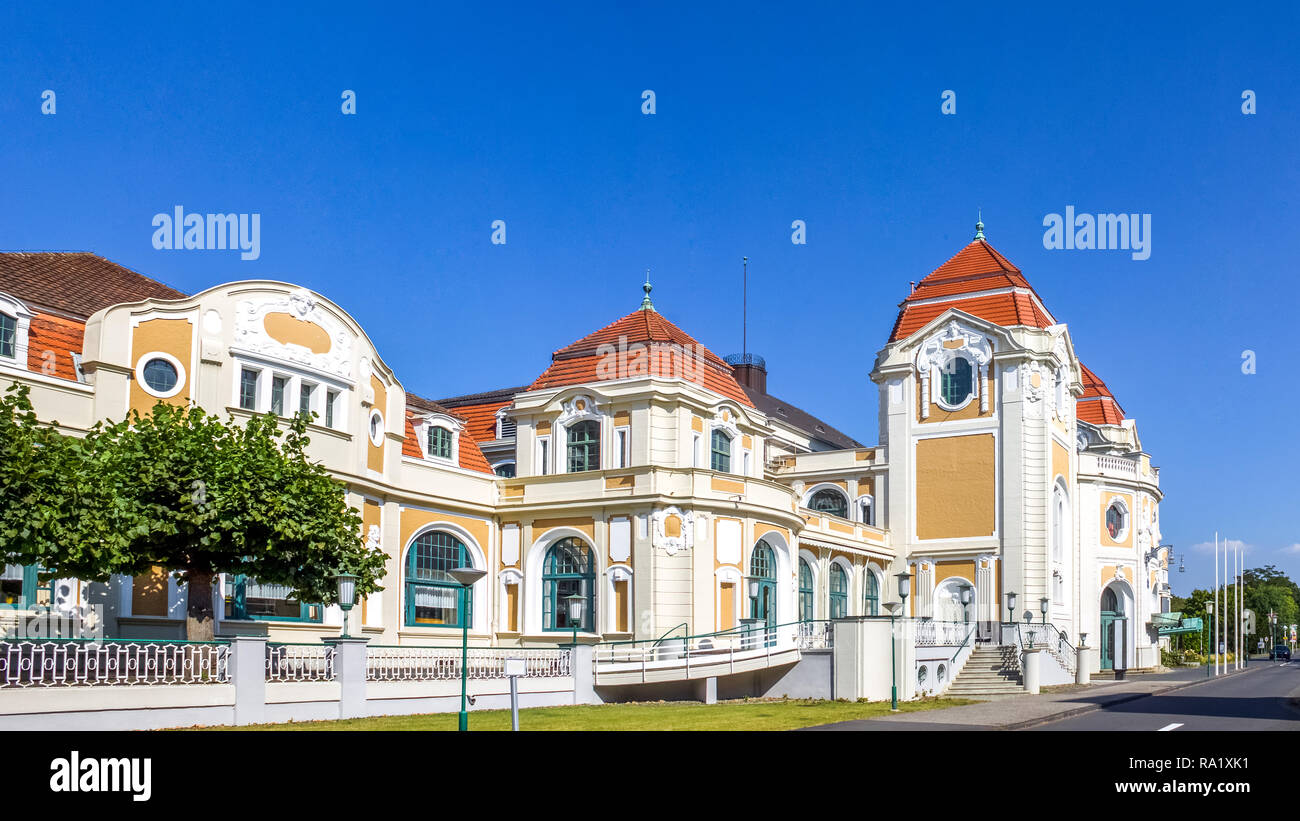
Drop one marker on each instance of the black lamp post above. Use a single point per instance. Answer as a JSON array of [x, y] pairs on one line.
[[1042, 603]]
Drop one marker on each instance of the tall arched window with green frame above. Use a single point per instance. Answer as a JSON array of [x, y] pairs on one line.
[[720, 447], [568, 570], [871, 594], [839, 584], [584, 446], [806, 592], [433, 596]]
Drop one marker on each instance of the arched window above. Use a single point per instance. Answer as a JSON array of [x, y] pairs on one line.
[[721, 452], [830, 501], [439, 442], [584, 446], [762, 574], [839, 584], [568, 570], [1060, 523], [1116, 521], [868, 505], [871, 596], [505, 470], [955, 383], [805, 591], [432, 595]]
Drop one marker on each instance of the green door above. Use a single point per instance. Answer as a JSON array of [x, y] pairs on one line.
[[1111, 617], [762, 570]]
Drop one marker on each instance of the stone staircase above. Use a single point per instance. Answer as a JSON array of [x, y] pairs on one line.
[[991, 670]]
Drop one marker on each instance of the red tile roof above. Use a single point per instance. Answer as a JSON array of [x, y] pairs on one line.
[[51, 342], [481, 419], [974, 270], [581, 362], [471, 456], [1098, 404], [77, 283]]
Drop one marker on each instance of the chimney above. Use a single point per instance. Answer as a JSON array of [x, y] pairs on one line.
[[750, 370]]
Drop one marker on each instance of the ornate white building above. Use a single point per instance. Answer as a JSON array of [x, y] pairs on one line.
[[657, 481]]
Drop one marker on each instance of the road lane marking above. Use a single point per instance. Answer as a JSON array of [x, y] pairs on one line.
[[1169, 727]]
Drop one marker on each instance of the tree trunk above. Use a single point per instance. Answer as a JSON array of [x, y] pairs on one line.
[[199, 625]]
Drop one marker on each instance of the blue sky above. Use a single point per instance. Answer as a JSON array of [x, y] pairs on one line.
[[531, 113]]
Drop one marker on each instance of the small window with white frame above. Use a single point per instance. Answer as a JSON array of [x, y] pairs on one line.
[[623, 446], [543, 455], [263, 388]]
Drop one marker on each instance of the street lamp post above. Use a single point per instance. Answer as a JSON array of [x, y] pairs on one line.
[[1011, 611], [347, 583], [465, 577], [1209, 611], [1042, 603], [575, 603], [965, 595], [904, 587]]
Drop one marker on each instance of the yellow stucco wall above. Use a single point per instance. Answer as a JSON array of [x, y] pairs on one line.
[[173, 336], [375, 454], [412, 520], [956, 487]]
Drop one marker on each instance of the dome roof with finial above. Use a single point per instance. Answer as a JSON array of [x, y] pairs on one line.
[[580, 362], [979, 281]]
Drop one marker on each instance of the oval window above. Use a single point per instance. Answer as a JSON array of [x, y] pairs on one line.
[[956, 381], [160, 375], [1115, 520]]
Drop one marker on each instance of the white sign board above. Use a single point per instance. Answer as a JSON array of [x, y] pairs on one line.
[[515, 667]]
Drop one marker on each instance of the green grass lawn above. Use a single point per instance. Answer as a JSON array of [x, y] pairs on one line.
[[749, 714]]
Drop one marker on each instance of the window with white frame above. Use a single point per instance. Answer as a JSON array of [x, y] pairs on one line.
[[623, 446], [1060, 523], [867, 506], [283, 391], [15, 319], [543, 455]]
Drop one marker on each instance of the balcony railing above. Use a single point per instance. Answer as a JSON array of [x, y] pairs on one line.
[[407, 663], [109, 662]]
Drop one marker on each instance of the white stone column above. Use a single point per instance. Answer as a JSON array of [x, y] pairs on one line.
[[248, 674], [1030, 667]]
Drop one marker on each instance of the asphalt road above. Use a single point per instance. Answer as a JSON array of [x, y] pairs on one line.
[[1257, 699]]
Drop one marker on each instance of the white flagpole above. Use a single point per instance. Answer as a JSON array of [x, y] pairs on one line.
[[1214, 634]]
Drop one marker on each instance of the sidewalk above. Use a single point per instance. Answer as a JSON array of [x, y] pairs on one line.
[[1020, 712]]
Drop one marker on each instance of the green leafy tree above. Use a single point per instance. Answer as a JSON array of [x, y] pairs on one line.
[[184, 490]]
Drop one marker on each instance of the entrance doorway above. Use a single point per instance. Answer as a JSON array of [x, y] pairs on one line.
[[1112, 620]]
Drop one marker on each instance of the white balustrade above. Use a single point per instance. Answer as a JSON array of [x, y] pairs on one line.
[[36, 663], [299, 662], [412, 663]]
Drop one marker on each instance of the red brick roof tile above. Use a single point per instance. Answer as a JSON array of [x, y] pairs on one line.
[[582, 362], [974, 270], [77, 283], [1097, 404], [51, 342], [471, 456]]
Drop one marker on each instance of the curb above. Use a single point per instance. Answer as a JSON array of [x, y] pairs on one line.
[[1088, 708]]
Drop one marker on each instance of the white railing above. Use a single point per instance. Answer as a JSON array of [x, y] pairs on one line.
[[1047, 637], [387, 663], [930, 633], [1117, 465], [815, 635], [710, 648], [299, 662], [74, 662]]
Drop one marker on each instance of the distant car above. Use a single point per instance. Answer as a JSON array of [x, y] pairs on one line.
[[1280, 651]]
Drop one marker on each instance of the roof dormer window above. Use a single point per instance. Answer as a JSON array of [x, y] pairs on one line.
[[439, 442]]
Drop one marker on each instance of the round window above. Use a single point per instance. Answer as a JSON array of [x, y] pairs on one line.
[[1115, 517], [160, 375], [376, 428]]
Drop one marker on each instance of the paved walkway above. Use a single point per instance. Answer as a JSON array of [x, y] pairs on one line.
[[1021, 712]]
